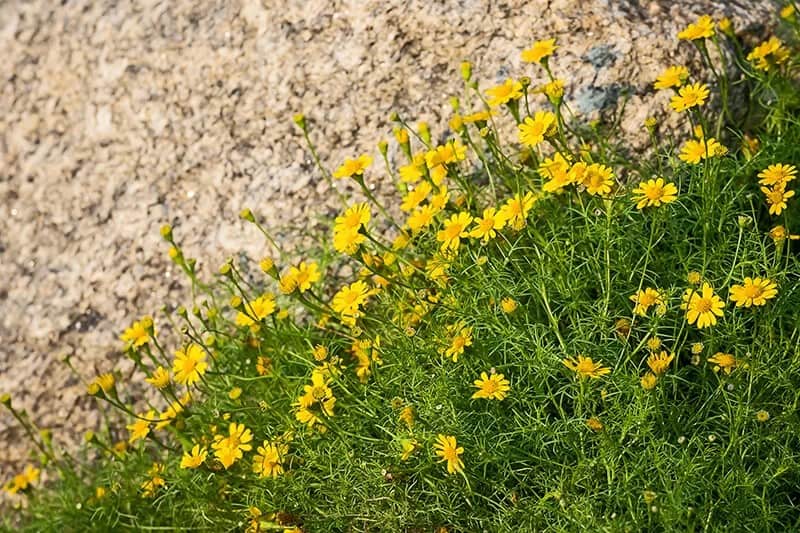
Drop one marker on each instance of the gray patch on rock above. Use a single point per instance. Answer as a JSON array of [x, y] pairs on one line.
[[600, 56], [594, 98]]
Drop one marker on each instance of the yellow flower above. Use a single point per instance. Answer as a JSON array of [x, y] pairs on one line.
[[776, 198], [653, 344], [160, 378], [672, 77], [598, 179], [539, 50], [697, 348], [505, 92], [452, 152], [138, 334], [416, 196], [448, 449], [409, 446], [534, 130], [492, 387], [268, 461], [195, 457], [644, 299], [304, 275], [320, 352], [263, 365], [354, 218], [487, 227], [769, 53], [693, 151], [689, 96], [779, 174], [414, 171], [189, 364], [655, 192], [23, 480], [787, 12], [694, 277], [407, 416], [554, 90], [516, 210], [141, 426], [350, 298], [702, 307], [702, 29], [353, 167], [754, 291], [461, 339], [455, 229], [648, 381], [347, 241], [421, 218], [257, 310], [780, 234], [594, 424], [762, 415], [559, 173], [104, 382], [235, 393], [151, 485], [659, 362], [724, 361], [231, 448], [509, 305], [585, 367]]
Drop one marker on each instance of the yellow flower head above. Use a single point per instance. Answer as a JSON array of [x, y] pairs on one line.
[[594, 424], [648, 381], [585, 367], [138, 334], [353, 167], [703, 306], [723, 361], [534, 130], [304, 275], [268, 461], [416, 196], [769, 54], [672, 77], [693, 151], [194, 458], [659, 362], [494, 387], [655, 192], [702, 29], [350, 298], [559, 174], [449, 153], [515, 210], [160, 378], [141, 426], [461, 338], [407, 416], [539, 51], [647, 298], [779, 174], [231, 448], [354, 217], [255, 311], [754, 291], [408, 446], [487, 226], [189, 364], [689, 96], [455, 229], [780, 234], [776, 198], [598, 179], [509, 305], [504, 93], [448, 449]]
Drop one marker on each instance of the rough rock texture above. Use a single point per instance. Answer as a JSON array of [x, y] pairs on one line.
[[117, 117]]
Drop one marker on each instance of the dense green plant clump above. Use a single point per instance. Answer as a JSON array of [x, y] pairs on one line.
[[543, 334]]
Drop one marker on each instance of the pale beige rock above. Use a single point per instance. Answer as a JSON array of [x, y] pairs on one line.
[[118, 117]]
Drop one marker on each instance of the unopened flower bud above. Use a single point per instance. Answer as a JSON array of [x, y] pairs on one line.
[[246, 214], [466, 70], [166, 232], [300, 120]]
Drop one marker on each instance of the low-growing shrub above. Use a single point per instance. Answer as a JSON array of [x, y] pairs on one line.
[[547, 334]]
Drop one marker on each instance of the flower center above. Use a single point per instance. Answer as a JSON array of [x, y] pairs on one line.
[[703, 305]]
